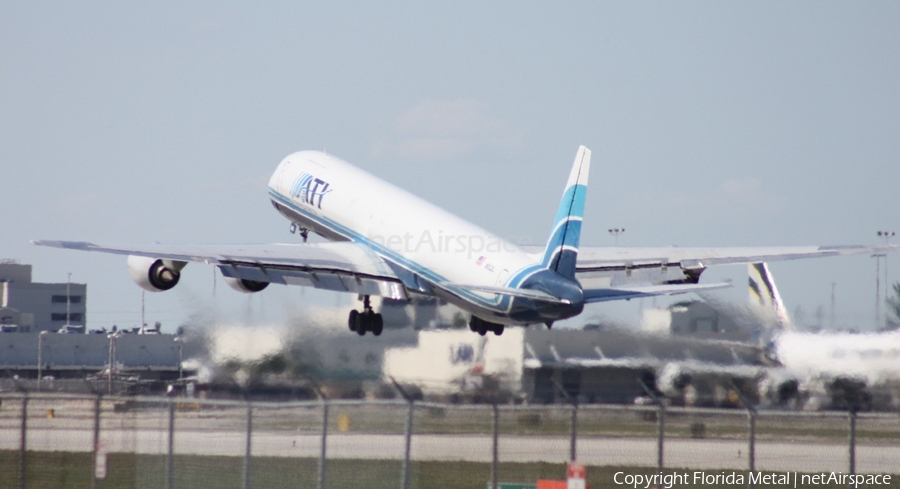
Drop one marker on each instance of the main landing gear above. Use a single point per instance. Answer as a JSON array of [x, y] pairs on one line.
[[365, 321], [480, 326]]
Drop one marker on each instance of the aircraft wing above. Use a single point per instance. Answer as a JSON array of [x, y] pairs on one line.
[[599, 267], [341, 266], [592, 258]]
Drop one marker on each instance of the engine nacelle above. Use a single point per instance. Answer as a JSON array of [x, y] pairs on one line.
[[244, 285], [154, 274]]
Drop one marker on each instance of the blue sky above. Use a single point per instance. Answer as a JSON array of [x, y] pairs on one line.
[[724, 124]]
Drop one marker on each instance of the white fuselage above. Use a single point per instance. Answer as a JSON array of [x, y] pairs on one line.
[[342, 202]]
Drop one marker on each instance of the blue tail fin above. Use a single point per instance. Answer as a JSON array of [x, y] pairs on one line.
[[561, 252]]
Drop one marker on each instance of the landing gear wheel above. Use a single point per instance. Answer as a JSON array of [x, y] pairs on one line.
[[482, 328], [362, 324], [353, 320], [377, 324], [366, 320]]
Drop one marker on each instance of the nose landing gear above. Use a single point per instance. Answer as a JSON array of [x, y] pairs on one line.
[[304, 233], [480, 326], [365, 321]]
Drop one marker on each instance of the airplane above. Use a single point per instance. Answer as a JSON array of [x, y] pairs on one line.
[[385, 241], [818, 369]]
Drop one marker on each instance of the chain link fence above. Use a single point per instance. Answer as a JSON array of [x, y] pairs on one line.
[[85, 441]]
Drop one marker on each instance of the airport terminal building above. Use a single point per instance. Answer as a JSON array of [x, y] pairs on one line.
[[31, 313], [27, 306]]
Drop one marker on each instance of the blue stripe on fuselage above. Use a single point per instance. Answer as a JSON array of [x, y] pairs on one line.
[[503, 305]]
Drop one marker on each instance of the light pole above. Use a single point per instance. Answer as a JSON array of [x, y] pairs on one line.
[[886, 235], [831, 320], [68, 298], [112, 360], [616, 232], [180, 341], [40, 370]]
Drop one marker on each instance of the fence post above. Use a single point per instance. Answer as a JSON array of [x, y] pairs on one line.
[[574, 441], [96, 440], [409, 425], [660, 425], [662, 436], [321, 481], [404, 470], [495, 455], [751, 442], [751, 430], [574, 422], [852, 440], [22, 442], [170, 457], [247, 451]]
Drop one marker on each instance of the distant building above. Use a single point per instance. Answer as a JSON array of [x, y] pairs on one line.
[[61, 356], [41, 307], [591, 365], [458, 363], [704, 320], [12, 320]]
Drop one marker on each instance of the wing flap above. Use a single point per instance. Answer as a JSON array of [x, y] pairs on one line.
[[535, 295], [341, 266], [615, 258]]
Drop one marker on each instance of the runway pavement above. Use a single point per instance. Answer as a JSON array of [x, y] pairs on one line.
[[679, 452]]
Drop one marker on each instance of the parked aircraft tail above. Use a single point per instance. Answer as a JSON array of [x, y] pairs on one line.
[[764, 293]]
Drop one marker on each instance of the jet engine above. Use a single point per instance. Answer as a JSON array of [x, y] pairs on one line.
[[244, 285], [154, 274]]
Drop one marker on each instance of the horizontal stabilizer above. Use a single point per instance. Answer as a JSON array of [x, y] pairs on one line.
[[534, 295], [619, 293]]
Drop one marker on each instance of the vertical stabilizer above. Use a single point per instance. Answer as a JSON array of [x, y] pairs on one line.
[[764, 293], [561, 252]]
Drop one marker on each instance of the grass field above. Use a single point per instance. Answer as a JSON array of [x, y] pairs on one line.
[[59, 470]]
